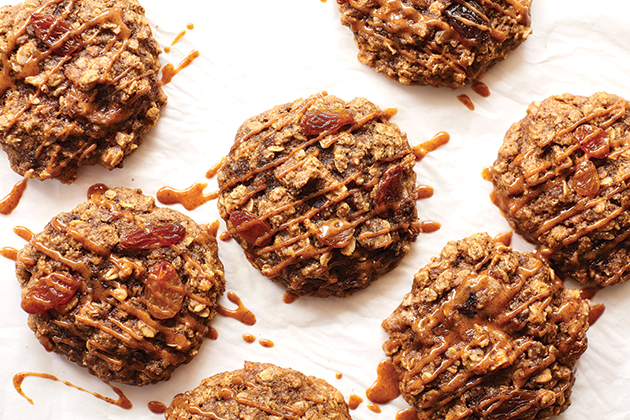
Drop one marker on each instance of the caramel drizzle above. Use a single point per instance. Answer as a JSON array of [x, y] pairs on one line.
[[11, 201], [191, 197], [419, 377], [169, 71], [9, 253], [97, 292], [408, 23], [523, 192], [241, 313], [122, 401]]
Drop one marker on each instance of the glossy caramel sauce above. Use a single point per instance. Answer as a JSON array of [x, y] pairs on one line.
[[430, 226], [96, 189], [11, 201], [179, 36], [212, 334], [289, 297], [480, 89], [212, 172], [486, 174], [249, 338], [266, 343], [241, 313], [385, 388], [169, 71], [589, 292], [407, 414], [465, 99], [9, 253], [354, 401], [225, 236], [338, 375], [421, 150], [423, 192], [23, 233], [374, 407], [191, 197], [213, 228], [597, 310], [122, 401], [157, 407], [504, 238], [190, 26]]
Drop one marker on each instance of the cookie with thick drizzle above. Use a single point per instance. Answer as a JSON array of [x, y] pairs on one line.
[[121, 287], [487, 333], [79, 84], [440, 43], [320, 193], [561, 179]]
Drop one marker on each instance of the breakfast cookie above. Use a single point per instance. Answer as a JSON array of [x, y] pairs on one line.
[[561, 179], [435, 42], [78, 84], [487, 332], [320, 193], [260, 391], [122, 287]]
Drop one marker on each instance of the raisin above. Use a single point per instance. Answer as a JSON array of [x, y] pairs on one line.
[[49, 292], [316, 122], [521, 404], [154, 235], [163, 291], [593, 142], [585, 180], [250, 227], [49, 29], [388, 185], [336, 233], [457, 15]]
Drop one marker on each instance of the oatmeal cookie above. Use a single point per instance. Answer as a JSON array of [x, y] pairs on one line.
[[561, 179], [320, 193], [435, 42], [260, 391], [122, 287], [78, 84], [487, 332]]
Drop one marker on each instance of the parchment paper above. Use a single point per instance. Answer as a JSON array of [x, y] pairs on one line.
[[254, 55]]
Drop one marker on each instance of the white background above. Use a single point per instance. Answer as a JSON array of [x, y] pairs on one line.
[[257, 54]]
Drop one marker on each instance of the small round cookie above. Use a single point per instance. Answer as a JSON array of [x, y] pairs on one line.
[[487, 332], [260, 391], [122, 287], [435, 42], [561, 179], [78, 84], [320, 193]]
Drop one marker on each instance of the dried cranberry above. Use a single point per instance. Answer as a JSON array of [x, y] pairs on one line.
[[457, 14], [50, 292], [318, 121], [49, 29], [388, 185], [585, 179], [163, 291], [154, 235], [250, 227]]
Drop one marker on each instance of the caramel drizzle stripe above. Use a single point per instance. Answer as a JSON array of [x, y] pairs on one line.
[[521, 11]]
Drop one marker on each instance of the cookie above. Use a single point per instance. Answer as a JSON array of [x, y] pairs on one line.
[[78, 84], [487, 332], [121, 287], [561, 179], [435, 42], [320, 193], [260, 391]]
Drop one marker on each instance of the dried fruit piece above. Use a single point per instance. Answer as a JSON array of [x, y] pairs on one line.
[[50, 30], [154, 235], [337, 233], [388, 185], [585, 180], [49, 292], [467, 22], [318, 121], [250, 227], [593, 142], [164, 292]]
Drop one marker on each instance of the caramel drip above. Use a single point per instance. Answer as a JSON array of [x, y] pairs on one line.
[[11, 201], [190, 26], [214, 170], [385, 388], [179, 36], [480, 89], [249, 338], [465, 99], [9, 253], [169, 71], [523, 191], [241, 313], [490, 320], [338, 375], [589, 292], [156, 407], [122, 401], [429, 226], [289, 297], [504, 238], [423, 192], [213, 228], [354, 401], [191, 197], [212, 334], [597, 310], [374, 408], [266, 343], [225, 236], [407, 414], [439, 140]]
